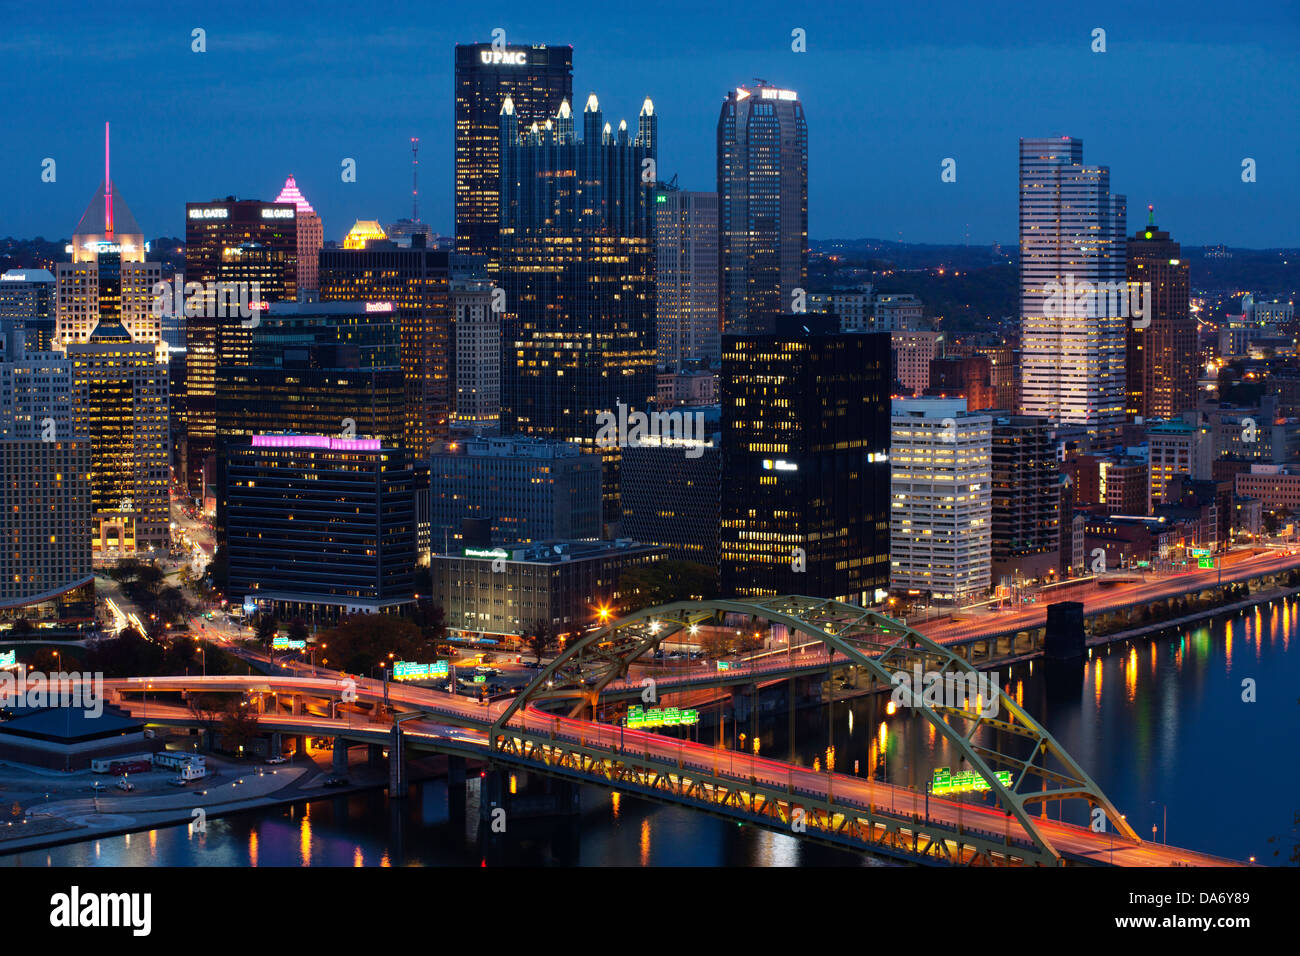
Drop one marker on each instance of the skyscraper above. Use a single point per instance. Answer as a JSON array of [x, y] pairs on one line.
[[805, 461], [229, 240], [686, 277], [1073, 294], [412, 285], [577, 267], [536, 79], [1161, 362], [311, 235], [1026, 497], [762, 204], [941, 512]]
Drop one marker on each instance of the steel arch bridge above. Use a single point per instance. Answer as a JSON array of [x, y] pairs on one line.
[[1041, 771]]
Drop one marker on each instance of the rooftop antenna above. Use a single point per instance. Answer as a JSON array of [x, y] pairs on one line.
[[1151, 214], [415, 179], [108, 190]]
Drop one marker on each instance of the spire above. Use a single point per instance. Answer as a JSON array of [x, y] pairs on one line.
[[508, 107], [564, 112], [1151, 214], [647, 108], [291, 193], [108, 190], [593, 104]]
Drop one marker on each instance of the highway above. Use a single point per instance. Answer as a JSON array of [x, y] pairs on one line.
[[847, 791]]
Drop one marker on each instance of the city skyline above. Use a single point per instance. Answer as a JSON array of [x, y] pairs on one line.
[[939, 89]]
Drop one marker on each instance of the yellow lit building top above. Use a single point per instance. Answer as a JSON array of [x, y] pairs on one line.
[[362, 232]]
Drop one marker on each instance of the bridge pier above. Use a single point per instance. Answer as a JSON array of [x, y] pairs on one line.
[[340, 757], [277, 744], [1065, 635], [396, 764], [374, 755], [455, 772]]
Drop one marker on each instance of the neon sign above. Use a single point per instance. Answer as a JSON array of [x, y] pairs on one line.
[[507, 57], [409, 670], [666, 717], [493, 553], [965, 781], [379, 307]]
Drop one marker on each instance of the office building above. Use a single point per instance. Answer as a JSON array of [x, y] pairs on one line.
[[963, 376], [1176, 448], [526, 488], [674, 501], [686, 278], [411, 285], [474, 365], [686, 388], [254, 245], [854, 308], [311, 235], [501, 592], [27, 302], [321, 527], [805, 462], [941, 511], [577, 267], [1026, 505], [536, 79], [913, 353], [1161, 363], [1074, 305], [762, 205], [898, 313]]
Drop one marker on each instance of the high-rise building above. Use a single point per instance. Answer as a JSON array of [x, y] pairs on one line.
[[293, 549], [686, 278], [1161, 362], [232, 241], [762, 205], [941, 515], [963, 376], [411, 284], [474, 365], [536, 79], [526, 489], [1176, 448], [1073, 292], [577, 267], [805, 452], [27, 302], [674, 500], [855, 308], [912, 354], [1026, 505], [311, 235], [108, 327]]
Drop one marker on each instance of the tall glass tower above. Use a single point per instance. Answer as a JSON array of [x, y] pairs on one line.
[[1071, 241], [577, 267], [762, 205]]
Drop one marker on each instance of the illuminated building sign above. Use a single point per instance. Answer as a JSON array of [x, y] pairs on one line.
[[316, 441], [771, 94], [503, 57], [965, 781], [493, 553], [379, 307], [780, 465], [284, 644], [222, 213], [279, 213], [408, 670], [8, 660], [657, 717]]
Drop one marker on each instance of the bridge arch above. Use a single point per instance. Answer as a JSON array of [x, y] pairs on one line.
[[853, 636]]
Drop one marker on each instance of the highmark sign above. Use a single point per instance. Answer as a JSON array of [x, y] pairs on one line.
[[965, 781], [409, 670], [660, 717]]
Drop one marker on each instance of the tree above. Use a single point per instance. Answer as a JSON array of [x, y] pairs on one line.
[[361, 641], [298, 630], [239, 726], [266, 629], [663, 582], [539, 637]]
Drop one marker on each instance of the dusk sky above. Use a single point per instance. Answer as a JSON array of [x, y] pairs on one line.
[[1182, 94]]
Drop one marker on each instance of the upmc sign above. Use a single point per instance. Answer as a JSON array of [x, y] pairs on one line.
[[506, 57]]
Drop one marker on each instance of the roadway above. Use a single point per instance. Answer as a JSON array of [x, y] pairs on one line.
[[1074, 842]]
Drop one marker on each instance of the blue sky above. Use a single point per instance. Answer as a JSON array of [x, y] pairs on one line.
[[1182, 94]]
